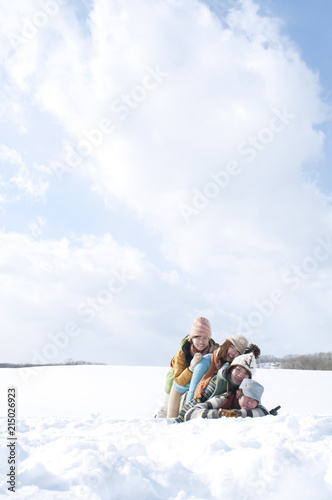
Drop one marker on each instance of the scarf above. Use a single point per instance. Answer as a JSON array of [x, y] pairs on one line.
[[231, 403], [194, 351]]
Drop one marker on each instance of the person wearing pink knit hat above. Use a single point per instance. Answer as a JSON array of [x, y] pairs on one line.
[[192, 348], [195, 346]]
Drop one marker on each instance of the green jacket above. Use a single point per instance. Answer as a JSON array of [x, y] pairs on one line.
[[223, 376]]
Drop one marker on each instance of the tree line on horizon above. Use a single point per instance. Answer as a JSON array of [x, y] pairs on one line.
[[316, 361]]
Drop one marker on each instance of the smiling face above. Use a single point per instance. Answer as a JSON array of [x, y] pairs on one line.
[[238, 374], [200, 342], [231, 353]]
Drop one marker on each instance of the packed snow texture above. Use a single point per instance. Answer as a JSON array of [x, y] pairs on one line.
[[88, 433]]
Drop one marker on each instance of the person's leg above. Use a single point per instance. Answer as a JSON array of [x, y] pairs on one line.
[[173, 403], [174, 399]]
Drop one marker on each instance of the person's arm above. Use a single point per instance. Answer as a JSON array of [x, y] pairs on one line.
[[259, 411], [199, 371], [182, 374], [209, 410], [205, 410]]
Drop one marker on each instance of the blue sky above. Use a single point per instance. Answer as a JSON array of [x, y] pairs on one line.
[[160, 161], [307, 23]]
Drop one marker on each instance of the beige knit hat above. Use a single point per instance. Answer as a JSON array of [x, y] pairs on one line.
[[239, 342], [200, 326]]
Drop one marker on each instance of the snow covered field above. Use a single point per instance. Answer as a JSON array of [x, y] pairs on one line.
[[87, 433]]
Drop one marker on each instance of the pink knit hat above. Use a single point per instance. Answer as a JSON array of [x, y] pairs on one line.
[[200, 326]]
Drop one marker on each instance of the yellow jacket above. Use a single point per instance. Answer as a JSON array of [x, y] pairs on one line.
[[182, 374]]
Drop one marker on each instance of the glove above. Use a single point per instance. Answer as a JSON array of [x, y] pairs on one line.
[[228, 413], [275, 410], [197, 357]]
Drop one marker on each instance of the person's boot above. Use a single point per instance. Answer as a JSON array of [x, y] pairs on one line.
[[162, 412]]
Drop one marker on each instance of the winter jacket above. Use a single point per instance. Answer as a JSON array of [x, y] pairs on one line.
[[182, 374], [218, 384], [209, 409]]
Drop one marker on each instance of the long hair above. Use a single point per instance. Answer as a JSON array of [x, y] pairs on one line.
[[186, 351], [188, 348], [217, 360], [221, 355]]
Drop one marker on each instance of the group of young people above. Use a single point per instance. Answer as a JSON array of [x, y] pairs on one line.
[[208, 380]]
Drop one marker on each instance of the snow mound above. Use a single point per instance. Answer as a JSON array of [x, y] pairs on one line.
[[99, 456]]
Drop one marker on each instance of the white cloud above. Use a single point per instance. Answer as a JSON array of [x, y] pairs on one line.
[[36, 228], [19, 178], [221, 117], [221, 92], [88, 298], [47, 284]]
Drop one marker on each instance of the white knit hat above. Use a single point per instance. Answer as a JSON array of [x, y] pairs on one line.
[[239, 342], [252, 389], [247, 361]]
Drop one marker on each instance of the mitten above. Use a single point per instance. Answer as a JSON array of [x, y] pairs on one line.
[[228, 413], [197, 357]]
